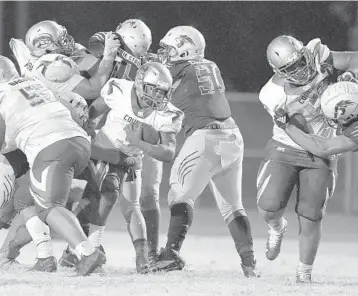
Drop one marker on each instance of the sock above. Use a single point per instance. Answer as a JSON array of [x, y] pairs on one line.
[[141, 246], [95, 234], [276, 225], [180, 222], [84, 248], [240, 231], [303, 268], [40, 234], [152, 219], [82, 218]]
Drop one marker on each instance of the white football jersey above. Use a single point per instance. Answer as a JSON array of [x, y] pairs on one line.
[[304, 99], [34, 119], [27, 63], [117, 94]]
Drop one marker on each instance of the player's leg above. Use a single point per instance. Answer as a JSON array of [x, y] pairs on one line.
[[93, 175], [227, 190], [190, 173], [149, 200], [316, 187], [275, 183], [102, 201], [51, 177], [130, 208]]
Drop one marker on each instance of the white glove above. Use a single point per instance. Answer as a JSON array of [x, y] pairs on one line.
[[111, 45]]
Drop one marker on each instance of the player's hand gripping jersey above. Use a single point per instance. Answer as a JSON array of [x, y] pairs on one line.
[[199, 92], [117, 94], [125, 65], [301, 99], [34, 118]]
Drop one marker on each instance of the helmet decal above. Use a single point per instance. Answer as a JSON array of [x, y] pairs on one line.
[[341, 107], [183, 39]]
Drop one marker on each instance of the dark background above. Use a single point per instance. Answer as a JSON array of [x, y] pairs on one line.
[[237, 34]]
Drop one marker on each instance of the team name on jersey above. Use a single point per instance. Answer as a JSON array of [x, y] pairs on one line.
[[130, 119], [318, 88], [123, 54]]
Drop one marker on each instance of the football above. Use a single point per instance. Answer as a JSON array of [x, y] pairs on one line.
[[150, 134], [299, 121]]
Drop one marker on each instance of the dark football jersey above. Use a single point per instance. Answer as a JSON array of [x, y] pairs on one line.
[[199, 91]]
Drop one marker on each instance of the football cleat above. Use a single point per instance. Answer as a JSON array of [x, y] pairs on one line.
[[89, 263], [48, 264], [273, 245], [250, 271], [68, 259], [167, 260]]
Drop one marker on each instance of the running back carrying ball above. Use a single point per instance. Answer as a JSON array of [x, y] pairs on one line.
[[148, 133]]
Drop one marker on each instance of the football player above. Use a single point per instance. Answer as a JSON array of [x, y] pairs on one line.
[[136, 39], [339, 105], [56, 151], [129, 103], [302, 73], [49, 37], [212, 153]]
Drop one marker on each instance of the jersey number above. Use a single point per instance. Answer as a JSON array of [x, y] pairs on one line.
[[127, 71], [35, 95], [209, 79]]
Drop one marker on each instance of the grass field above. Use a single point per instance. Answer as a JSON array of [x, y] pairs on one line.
[[213, 267]]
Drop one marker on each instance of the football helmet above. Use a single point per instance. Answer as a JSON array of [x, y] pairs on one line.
[[136, 35], [49, 37], [339, 102], [7, 70], [181, 43], [291, 60], [153, 85], [54, 67]]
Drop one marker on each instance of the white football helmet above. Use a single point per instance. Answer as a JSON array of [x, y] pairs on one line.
[[291, 60], [153, 85], [49, 37], [7, 70], [136, 35], [339, 102], [54, 67], [181, 43]]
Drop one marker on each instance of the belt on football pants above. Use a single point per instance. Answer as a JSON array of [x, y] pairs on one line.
[[219, 126]]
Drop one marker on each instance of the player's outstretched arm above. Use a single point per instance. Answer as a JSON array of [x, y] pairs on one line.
[[319, 146], [90, 88]]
